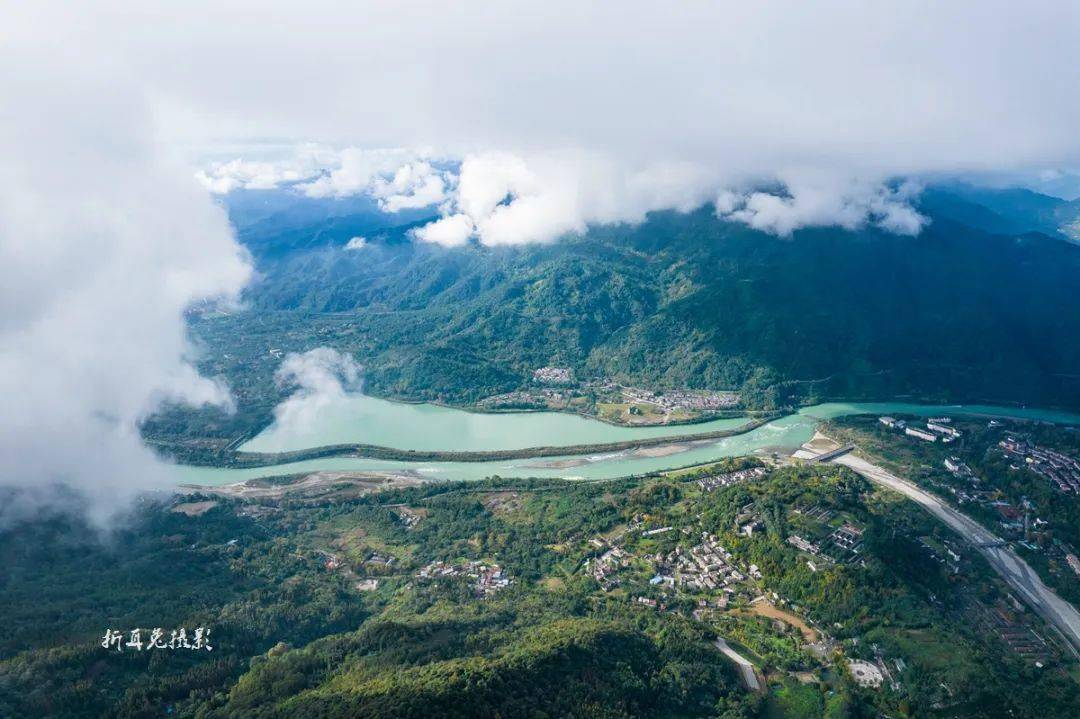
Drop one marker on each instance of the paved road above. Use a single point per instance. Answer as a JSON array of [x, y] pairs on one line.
[[744, 664], [1008, 564]]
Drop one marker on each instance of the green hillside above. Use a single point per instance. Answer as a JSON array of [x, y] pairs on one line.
[[354, 604], [680, 301]]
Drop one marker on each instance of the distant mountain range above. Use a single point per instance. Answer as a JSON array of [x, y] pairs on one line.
[[1008, 211], [982, 305]]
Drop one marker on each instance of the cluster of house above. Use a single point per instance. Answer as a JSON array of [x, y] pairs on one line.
[[726, 480], [536, 397], [553, 375], [488, 578], [1003, 618], [805, 545], [1061, 469], [378, 561], [604, 569], [847, 537], [704, 567], [374, 561], [331, 561], [959, 468], [683, 399], [408, 516], [1012, 518], [846, 540], [936, 428]]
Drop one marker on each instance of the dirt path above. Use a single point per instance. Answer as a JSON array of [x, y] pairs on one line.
[[766, 609]]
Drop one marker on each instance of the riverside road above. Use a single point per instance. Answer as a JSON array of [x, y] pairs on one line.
[[1015, 571]]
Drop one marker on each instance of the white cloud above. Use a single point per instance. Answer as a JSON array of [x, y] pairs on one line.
[[303, 164], [742, 91], [503, 198], [357, 171], [414, 185], [451, 231], [815, 199], [321, 378], [104, 242], [399, 179], [356, 243]]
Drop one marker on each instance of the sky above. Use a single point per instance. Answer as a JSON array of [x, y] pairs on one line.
[[120, 120]]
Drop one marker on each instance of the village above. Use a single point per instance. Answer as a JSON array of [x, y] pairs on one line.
[[486, 578], [558, 388], [1060, 469]]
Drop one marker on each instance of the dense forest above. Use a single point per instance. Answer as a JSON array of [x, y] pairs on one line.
[[971, 309], [328, 607]]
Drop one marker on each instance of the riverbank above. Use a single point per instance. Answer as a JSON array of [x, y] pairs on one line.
[[318, 485], [783, 435]]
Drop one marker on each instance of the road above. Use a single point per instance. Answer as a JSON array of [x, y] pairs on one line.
[[1015, 571], [745, 667]]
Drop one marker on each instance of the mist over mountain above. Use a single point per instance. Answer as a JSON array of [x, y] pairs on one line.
[[977, 307]]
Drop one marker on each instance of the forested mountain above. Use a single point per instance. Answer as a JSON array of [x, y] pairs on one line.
[[958, 313], [1004, 210]]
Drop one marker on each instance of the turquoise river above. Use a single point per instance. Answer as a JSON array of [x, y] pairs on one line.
[[407, 426]]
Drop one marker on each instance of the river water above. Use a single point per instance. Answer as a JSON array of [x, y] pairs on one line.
[[368, 420], [781, 435]]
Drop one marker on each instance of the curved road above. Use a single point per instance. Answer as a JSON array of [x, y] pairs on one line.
[[1059, 613]]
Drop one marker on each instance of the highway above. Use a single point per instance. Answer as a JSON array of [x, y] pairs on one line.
[[1015, 571]]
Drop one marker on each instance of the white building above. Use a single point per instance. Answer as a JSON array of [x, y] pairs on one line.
[[921, 434], [942, 429], [553, 375]]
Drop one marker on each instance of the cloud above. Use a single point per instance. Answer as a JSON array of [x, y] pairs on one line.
[[745, 93], [414, 185], [503, 198], [449, 231], [356, 243], [357, 171], [105, 241], [300, 163], [399, 179], [818, 200], [321, 378]]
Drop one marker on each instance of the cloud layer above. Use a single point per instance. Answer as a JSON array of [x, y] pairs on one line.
[[668, 106], [504, 198], [104, 242]]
